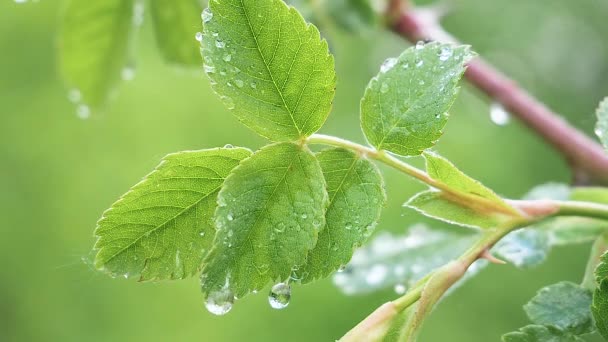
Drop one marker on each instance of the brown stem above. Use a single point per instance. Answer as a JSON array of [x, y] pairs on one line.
[[587, 158]]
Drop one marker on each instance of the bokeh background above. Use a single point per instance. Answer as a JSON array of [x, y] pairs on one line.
[[58, 173]]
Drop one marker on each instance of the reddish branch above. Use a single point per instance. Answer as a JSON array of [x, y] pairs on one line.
[[587, 158]]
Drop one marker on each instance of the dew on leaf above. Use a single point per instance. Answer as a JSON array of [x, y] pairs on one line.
[[384, 88], [228, 146], [209, 69], [445, 53], [420, 45], [206, 15], [220, 302], [198, 36], [227, 58], [279, 296], [220, 44], [239, 83], [419, 63], [388, 65]]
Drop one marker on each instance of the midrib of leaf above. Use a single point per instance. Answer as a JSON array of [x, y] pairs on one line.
[[339, 188], [276, 86], [162, 225]]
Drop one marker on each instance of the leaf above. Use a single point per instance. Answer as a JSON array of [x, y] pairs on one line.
[[468, 203], [94, 46], [601, 128], [540, 333], [601, 271], [163, 227], [400, 261], [405, 106], [563, 305], [599, 308], [268, 65], [524, 248], [590, 194], [352, 15], [270, 211], [175, 26], [356, 197]]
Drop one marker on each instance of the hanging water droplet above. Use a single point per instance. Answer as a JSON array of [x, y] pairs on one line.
[[227, 58], [388, 65], [279, 296], [400, 289], [239, 83], [420, 45], [83, 111], [206, 15], [499, 115], [445, 53], [74, 95], [220, 302], [384, 88], [198, 36]]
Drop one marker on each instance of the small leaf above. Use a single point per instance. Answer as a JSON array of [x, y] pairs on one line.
[[540, 333], [601, 128], [270, 211], [524, 248], [356, 197], [94, 46], [175, 27], [401, 260], [270, 66], [599, 308], [405, 106], [485, 209], [601, 271], [563, 305], [163, 227]]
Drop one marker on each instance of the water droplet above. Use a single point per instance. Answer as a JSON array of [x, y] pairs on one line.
[[228, 101], [228, 146], [279, 296], [253, 85], [128, 72], [239, 83], [201, 233], [499, 115], [348, 226], [74, 95], [419, 63], [227, 58], [209, 69], [220, 302], [421, 82], [198, 36], [230, 217], [400, 289], [420, 45], [83, 111], [388, 65], [220, 44], [445, 53], [384, 88], [206, 15], [304, 216]]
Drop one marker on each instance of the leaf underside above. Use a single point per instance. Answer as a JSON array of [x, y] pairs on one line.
[[405, 106], [269, 66], [163, 227], [94, 46], [356, 197], [175, 26], [540, 333], [269, 213]]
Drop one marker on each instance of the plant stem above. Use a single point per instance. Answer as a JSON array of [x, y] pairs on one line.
[[586, 158]]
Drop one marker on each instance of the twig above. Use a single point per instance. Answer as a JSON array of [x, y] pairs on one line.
[[587, 159]]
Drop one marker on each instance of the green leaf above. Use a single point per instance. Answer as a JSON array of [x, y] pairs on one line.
[[599, 308], [601, 271], [485, 209], [563, 305], [601, 128], [175, 26], [405, 106], [540, 333], [352, 15], [163, 227], [590, 194], [399, 261], [356, 197], [270, 211], [269, 66], [94, 46]]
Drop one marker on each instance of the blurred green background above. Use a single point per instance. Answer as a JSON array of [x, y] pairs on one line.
[[58, 173]]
